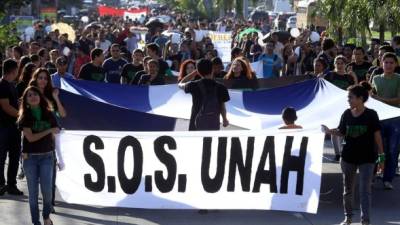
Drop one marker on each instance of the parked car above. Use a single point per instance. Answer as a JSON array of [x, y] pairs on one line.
[[291, 22]]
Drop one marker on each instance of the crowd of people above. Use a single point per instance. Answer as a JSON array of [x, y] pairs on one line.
[[109, 52]]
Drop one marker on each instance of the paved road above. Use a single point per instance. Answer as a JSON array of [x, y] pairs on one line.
[[386, 209]]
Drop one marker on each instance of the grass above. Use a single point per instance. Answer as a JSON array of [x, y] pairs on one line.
[[388, 35]]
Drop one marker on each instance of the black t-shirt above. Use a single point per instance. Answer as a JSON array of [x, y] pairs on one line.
[[21, 86], [43, 145], [145, 80], [8, 91], [92, 72], [329, 60], [360, 70], [359, 132], [340, 81], [51, 67], [137, 77], [162, 67], [220, 75], [197, 98], [129, 71]]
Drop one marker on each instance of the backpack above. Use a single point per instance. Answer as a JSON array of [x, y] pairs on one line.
[[208, 116]]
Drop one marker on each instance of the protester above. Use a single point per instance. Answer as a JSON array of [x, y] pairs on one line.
[[386, 88], [306, 59], [218, 68], [24, 60], [152, 78], [289, 61], [328, 52], [339, 77], [138, 75], [61, 64], [272, 63], [10, 137], [153, 51], [239, 71], [51, 65], [320, 68], [360, 128], [289, 117], [93, 70], [378, 69], [209, 98], [25, 78], [38, 126], [187, 67], [81, 59], [113, 65], [130, 69], [360, 66]]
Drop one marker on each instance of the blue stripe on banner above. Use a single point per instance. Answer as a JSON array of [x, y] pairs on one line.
[[130, 97], [273, 101], [87, 114]]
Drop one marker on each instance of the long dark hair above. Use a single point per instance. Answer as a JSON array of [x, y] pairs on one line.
[[27, 72], [25, 114], [48, 90], [245, 67]]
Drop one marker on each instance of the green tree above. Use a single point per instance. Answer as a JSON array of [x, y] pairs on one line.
[[8, 4], [8, 34]]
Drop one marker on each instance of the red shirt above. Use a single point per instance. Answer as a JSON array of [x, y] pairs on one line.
[[79, 62]]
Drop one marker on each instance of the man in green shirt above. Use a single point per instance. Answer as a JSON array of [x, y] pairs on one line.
[[387, 89]]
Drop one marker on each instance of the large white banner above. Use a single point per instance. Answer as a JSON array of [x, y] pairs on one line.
[[222, 43], [192, 170]]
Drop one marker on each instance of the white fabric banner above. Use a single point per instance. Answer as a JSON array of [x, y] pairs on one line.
[[222, 43], [192, 170]]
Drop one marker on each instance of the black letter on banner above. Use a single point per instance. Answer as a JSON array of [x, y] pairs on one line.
[[267, 176], [130, 186], [237, 160], [96, 162], [213, 185], [165, 185], [294, 163]]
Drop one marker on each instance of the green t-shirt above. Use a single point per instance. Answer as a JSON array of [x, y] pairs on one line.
[[387, 87]]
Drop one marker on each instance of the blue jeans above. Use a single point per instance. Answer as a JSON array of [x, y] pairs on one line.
[[365, 180], [391, 143], [39, 170]]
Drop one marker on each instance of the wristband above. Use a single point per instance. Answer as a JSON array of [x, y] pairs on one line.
[[381, 158]]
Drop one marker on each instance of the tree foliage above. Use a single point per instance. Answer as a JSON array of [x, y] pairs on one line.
[[354, 17], [7, 4]]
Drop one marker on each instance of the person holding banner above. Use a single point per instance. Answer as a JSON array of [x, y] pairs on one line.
[[129, 70], [240, 71], [361, 130], [209, 98], [152, 78], [38, 125]]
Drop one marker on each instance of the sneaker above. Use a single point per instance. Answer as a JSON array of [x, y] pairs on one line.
[[13, 190], [3, 189], [347, 221], [388, 185], [365, 223]]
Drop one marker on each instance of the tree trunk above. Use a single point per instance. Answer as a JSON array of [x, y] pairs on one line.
[[363, 38], [382, 32], [340, 35]]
